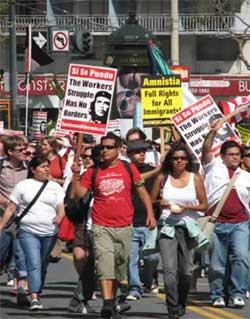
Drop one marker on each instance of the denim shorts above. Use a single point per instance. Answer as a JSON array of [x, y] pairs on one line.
[[112, 247]]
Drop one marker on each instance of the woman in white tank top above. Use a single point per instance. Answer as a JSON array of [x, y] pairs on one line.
[[182, 198]]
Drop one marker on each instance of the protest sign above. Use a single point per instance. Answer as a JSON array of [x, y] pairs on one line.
[[114, 126], [57, 132], [88, 99], [193, 123], [39, 122], [161, 98]]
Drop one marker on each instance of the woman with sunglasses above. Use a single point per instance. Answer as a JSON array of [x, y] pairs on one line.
[[182, 196], [30, 152]]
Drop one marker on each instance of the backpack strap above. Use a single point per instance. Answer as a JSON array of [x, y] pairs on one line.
[[126, 164]]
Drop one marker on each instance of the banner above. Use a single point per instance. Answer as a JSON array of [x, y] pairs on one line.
[[88, 99], [161, 97], [193, 123]]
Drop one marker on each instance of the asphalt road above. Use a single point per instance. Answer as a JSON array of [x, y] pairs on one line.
[[60, 283]]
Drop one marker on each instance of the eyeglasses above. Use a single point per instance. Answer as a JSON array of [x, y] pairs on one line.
[[108, 147], [19, 150], [85, 156], [246, 155], [177, 158], [28, 153], [232, 154]]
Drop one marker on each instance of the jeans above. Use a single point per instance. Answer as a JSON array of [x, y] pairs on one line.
[[36, 250], [140, 237], [19, 259], [5, 249], [229, 251], [177, 258]]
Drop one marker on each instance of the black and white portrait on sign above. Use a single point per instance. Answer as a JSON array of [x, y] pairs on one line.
[[99, 108]]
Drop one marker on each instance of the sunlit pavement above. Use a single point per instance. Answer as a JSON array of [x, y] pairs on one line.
[[60, 284]]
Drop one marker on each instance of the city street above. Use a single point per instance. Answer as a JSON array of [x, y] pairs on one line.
[[60, 283]]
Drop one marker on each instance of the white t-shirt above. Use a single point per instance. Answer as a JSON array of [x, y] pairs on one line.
[[184, 195], [38, 220]]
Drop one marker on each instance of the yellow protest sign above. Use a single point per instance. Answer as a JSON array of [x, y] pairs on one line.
[[161, 98]]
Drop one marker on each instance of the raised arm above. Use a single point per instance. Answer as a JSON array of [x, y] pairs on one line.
[[207, 155], [77, 191], [152, 173]]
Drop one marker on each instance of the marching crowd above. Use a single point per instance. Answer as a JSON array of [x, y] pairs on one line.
[[128, 206]]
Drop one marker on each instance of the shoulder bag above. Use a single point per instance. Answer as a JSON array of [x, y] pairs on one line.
[[207, 223], [12, 226]]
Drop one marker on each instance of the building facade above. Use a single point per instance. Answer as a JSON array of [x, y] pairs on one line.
[[206, 42]]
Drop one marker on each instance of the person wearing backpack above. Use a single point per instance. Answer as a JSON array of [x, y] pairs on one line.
[[112, 215]]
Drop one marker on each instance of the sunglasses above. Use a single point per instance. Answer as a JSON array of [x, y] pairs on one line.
[[19, 150], [86, 156], [177, 158], [30, 153], [246, 155], [108, 147]]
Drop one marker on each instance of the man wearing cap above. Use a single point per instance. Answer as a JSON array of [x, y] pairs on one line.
[[152, 156], [99, 108], [112, 215], [136, 152]]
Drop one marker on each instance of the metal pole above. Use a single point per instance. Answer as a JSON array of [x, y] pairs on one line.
[[13, 67], [175, 32]]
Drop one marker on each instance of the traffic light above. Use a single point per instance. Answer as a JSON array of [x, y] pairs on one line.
[[87, 42], [84, 42], [1, 75]]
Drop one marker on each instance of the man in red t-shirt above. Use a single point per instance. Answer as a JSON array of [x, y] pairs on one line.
[[112, 216], [229, 247]]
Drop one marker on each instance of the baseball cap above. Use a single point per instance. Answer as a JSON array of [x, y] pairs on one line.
[[137, 145]]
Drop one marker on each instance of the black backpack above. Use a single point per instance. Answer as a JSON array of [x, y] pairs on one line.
[[77, 209]]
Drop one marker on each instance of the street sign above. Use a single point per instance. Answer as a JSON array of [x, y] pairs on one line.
[[40, 40], [60, 40]]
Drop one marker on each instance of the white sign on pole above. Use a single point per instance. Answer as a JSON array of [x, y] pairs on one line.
[[60, 40], [40, 40], [88, 99], [193, 123]]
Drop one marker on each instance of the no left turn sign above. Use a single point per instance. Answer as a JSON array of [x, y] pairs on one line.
[[60, 40]]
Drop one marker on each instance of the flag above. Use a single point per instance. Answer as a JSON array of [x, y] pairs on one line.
[[162, 68], [35, 56], [230, 106]]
